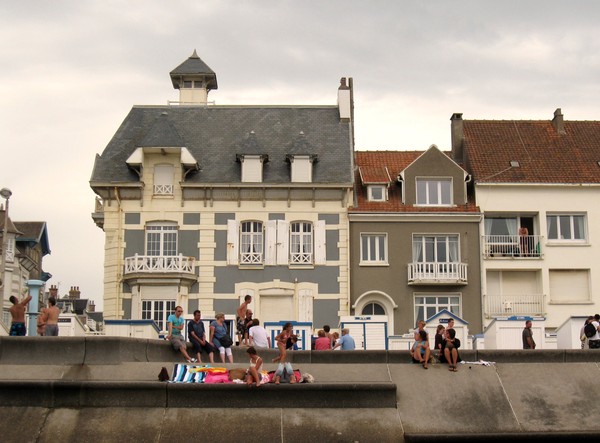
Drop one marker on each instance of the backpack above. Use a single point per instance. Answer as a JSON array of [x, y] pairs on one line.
[[163, 375], [589, 330]]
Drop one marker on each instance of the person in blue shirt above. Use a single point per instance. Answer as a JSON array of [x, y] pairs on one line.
[[346, 342], [175, 324]]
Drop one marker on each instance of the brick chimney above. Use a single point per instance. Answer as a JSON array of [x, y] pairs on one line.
[[54, 292], [91, 306], [457, 137], [74, 292], [558, 122]]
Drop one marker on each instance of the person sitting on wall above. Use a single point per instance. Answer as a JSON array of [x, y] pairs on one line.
[[450, 350], [420, 351], [322, 343], [175, 324]]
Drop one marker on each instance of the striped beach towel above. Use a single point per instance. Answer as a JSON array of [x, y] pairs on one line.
[[183, 373]]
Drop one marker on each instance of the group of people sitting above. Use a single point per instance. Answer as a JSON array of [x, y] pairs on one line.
[[446, 346]]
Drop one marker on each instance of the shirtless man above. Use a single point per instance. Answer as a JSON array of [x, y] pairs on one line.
[[17, 311], [50, 318], [241, 316]]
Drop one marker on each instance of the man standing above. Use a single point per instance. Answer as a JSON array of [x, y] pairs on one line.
[[346, 341], [594, 341], [17, 311], [258, 335], [175, 324], [241, 316], [197, 336], [50, 318], [528, 342]]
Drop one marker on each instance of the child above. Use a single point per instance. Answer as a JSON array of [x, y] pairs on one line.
[[253, 372], [281, 341]]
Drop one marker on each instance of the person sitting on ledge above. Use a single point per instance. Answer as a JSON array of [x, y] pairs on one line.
[[450, 350]]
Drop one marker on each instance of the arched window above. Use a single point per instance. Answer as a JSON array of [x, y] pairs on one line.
[[373, 309]]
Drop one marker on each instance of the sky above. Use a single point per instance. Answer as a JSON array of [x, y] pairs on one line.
[[72, 70]]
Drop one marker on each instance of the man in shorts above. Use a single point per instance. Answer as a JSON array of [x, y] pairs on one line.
[[241, 317], [17, 311], [50, 318], [175, 324]]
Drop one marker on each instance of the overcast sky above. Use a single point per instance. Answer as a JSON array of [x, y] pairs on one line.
[[71, 70]]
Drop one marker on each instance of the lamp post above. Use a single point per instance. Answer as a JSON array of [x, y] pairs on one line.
[[5, 193]]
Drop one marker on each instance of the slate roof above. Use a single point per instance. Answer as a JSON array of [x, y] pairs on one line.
[[395, 162], [194, 66], [544, 155], [11, 226], [214, 135], [34, 232]]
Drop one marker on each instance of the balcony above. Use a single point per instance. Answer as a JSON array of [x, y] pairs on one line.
[[512, 246], [508, 305], [431, 273], [169, 269]]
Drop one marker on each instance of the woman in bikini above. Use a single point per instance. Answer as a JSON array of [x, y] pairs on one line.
[[253, 372], [281, 340]]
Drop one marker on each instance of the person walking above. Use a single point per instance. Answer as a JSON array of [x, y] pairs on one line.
[[528, 342]]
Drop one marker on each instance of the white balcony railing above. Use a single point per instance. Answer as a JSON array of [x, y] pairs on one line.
[[508, 305], [164, 263], [163, 189], [435, 272], [517, 246]]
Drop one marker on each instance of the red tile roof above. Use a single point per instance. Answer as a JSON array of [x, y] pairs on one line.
[[395, 162], [544, 155]]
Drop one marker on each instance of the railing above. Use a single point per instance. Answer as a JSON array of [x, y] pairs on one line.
[[251, 258], [508, 305], [154, 263], [517, 246], [163, 189], [303, 258], [432, 272]]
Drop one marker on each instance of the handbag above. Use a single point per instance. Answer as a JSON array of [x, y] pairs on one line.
[[225, 341]]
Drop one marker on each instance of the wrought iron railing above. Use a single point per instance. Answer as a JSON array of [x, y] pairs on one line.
[[517, 246], [513, 304]]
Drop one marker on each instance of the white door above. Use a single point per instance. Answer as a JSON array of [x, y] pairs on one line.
[[276, 308]]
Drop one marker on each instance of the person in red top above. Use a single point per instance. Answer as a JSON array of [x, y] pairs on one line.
[[322, 343]]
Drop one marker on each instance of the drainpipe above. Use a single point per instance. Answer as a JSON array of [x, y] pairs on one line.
[[119, 252]]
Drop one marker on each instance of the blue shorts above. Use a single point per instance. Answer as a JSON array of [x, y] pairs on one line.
[[18, 330]]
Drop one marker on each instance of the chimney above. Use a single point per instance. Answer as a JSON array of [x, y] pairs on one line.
[[91, 306], [74, 292], [457, 137], [54, 292], [558, 123], [345, 100]]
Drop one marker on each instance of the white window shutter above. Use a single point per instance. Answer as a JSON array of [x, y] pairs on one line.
[[283, 237], [232, 242], [271, 243], [320, 250]]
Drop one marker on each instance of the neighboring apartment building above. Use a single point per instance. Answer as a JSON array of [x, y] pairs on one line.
[[414, 234], [204, 204], [538, 185]]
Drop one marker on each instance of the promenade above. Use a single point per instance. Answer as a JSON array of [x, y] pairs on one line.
[[90, 389]]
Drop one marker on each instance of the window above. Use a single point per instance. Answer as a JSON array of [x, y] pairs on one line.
[[188, 84], [377, 193], [434, 192], [373, 249], [161, 240], [428, 306], [301, 243], [163, 180], [158, 310], [251, 243], [435, 249], [301, 169], [568, 286], [566, 227], [373, 309]]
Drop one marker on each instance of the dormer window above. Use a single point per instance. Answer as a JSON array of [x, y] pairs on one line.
[[434, 191], [252, 168], [301, 168], [189, 84], [163, 180], [377, 193]]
